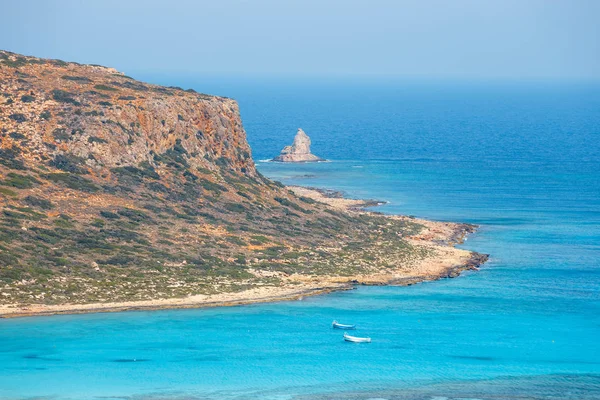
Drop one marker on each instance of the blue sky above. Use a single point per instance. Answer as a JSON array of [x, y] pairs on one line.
[[465, 39]]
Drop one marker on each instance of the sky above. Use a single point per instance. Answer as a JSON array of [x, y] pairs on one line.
[[430, 39]]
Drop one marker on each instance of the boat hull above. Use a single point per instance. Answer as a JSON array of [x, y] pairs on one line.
[[355, 339], [336, 325]]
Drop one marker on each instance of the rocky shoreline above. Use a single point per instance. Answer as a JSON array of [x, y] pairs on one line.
[[299, 286]]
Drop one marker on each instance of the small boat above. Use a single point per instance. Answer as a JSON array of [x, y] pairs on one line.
[[337, 325], [355, 339]]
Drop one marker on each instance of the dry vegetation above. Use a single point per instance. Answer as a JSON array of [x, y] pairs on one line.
[[117, 190]]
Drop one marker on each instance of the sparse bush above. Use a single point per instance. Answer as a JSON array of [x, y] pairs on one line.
[[109, 215], [69, 163], [61, 135], [38, 202], [96, 139], [19, 118], [208, 185], [105, 87], [76, 78], [7, 192], [74, 182], [98, 223], [235, 207], [16, 135], [307, 200], [118, 260], [19, 181], [64, 97], [8, 158]]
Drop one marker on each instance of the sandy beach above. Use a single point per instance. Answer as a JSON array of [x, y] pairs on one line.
[[439, 238]]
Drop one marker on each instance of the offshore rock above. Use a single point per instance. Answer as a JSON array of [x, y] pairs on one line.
[[299, 151]]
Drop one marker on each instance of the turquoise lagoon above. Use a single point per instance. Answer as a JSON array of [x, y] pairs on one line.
[[522, 161]]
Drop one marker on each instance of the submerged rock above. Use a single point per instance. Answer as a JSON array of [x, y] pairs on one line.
[[299, 151]]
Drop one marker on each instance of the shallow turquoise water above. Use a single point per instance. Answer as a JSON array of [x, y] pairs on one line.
[[522, 161]]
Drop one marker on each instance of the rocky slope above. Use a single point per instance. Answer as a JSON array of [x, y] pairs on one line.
[[299, 151], [117, 190]]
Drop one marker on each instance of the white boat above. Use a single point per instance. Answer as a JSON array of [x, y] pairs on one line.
[[355, 339], [337, 325]]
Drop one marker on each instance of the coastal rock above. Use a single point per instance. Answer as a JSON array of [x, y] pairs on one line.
[[299, 151], [118, 194]]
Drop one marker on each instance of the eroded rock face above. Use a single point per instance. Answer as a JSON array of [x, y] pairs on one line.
[[110, 120], [299, 151]]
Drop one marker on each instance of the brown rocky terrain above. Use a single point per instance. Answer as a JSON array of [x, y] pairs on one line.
[[119, 191]]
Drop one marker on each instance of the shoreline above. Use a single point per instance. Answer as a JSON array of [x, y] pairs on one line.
[[439, 237]]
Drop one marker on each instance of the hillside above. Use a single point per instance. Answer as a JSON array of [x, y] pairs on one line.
[[113, 189]]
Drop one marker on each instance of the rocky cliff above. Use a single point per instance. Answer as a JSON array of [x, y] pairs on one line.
[[299, 151], [108, 120], [114, 189]]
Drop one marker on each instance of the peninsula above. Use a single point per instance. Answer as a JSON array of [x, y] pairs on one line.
[[117, 194], [299, 151]]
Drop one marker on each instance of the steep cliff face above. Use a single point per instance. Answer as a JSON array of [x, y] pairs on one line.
[[114, 189], [110, 120]]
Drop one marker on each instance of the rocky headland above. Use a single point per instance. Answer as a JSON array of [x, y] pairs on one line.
[[299, 151], [117, 194]]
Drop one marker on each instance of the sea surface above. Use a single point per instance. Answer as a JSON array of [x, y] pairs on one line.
[[520, 159]]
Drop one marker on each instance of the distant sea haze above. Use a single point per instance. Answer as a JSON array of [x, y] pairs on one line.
[[523, 161]]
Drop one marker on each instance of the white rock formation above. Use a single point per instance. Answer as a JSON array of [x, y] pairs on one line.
[[299, 151]]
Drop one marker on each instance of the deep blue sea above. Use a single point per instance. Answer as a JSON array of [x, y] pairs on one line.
[[521, 160]]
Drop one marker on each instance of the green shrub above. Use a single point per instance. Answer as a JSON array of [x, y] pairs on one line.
[[19, 181], [98, 223], [69, 163], [64, 97], [19, 118], [214, 187], [63, 221], [285, 202], [174, 157], [76, 78], [235, 207], [7, 192], [105, 87], [259, 239], [46, 115], [134, 215], [109, 215], [134, 176], [96, 139], [26, 98], [307, 200], [118, 260], [38, 202], [235, 240], [8, 158], [61, 134], [16, 135], [222, 162], [74, 182]]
